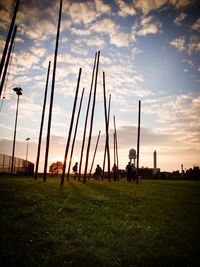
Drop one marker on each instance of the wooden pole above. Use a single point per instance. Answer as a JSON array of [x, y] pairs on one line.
[[86, 119], [116, 147], [107, 117], [13, 151], [52, 94], [8, 38], [114, 143], [92, 119], [94, 153], [70, 128], [138, 142], [105, 150], [76, 127], [42, 122], [8, 58]]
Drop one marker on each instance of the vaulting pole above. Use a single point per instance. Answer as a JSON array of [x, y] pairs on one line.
[[86, 119], [70, 128], [52, 94], [75, 131], [116, 147], [105, 150], [42, 122], [8, 59], [138, 142], [92, 118], [107, 118], [94, 154], [8, 38]]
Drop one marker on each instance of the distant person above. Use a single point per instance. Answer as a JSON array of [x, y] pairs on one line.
[[75, 170], [98, 172], [115, 172], [133, 172], [128, 171]]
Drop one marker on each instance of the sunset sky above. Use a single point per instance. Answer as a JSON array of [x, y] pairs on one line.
[[149, 52]]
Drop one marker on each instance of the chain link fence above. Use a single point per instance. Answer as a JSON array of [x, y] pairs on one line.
[[21, 166]]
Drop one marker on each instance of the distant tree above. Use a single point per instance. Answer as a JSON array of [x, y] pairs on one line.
[[56, 167]]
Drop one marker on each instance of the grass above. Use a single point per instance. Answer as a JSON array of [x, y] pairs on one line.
[[98, 223]]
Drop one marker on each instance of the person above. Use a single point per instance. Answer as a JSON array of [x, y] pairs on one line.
[[128, 171], [75, 170], [98, 172], [133, 172], [114, 172]]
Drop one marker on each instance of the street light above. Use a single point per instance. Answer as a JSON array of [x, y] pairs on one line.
[[27, 139], [18, 91]]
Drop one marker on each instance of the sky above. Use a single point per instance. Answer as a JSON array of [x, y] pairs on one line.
[[149, 52]]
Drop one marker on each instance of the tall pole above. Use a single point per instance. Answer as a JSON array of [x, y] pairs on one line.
[[107, 118], [75, 131], [105, 150], [27, 139], [8, 59], [52, 94], [138, 142], [114, 143], [18, 92], [70, 128], [116, 147], [42, 122], [8, 37], [86, 119], [94, 153], [92, 118]]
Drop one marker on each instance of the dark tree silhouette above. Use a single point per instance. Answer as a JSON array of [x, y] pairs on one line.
[[56, 167]]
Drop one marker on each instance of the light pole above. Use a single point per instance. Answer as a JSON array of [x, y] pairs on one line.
[[27, 139], [18, 91]]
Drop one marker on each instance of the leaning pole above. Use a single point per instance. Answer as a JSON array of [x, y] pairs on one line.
[[94, 153], [8, 38], [75, 132], [42, 122], [138, 142], [8, 58], [107, 118], [86, 118], [52, 94], [70, 128], [92, 119]]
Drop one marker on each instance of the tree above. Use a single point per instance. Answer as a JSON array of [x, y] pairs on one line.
[[56, 167]]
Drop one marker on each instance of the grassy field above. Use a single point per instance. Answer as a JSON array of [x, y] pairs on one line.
[[156, 223]]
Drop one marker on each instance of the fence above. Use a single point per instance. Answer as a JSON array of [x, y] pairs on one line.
[[21, 166]]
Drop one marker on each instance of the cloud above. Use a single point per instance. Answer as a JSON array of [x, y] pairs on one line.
[[109, 27], [136, 51], [82, 12], [125, 9], [196, 25], [179, 43], [181, 3], [80, 31], [149, 26], [78, 50], [120, 39], [147, 6], [194, 44], [178, 20], [95, 41], [102, 8]]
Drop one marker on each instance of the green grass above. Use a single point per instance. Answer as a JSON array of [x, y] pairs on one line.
[[156, 223]]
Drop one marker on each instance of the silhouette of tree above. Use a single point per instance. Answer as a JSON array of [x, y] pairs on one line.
[[56, 167]]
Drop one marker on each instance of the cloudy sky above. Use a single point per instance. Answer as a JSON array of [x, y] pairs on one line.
[[149, 52]]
